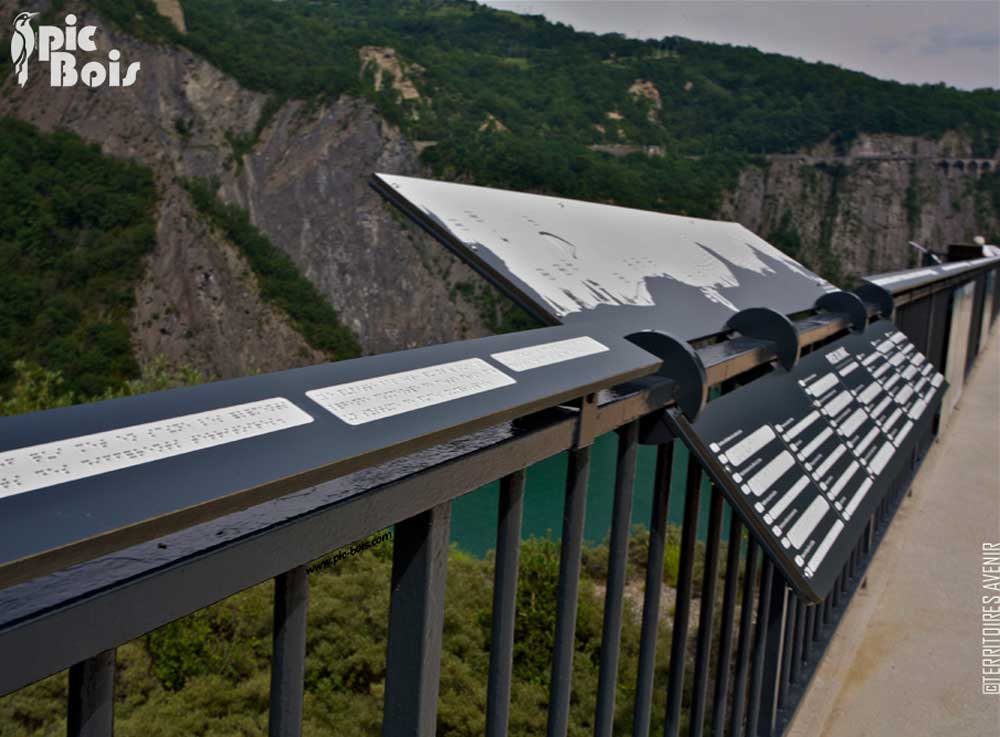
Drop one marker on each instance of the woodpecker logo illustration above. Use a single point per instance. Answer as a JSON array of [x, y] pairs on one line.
[[22, 46], [58, 46]]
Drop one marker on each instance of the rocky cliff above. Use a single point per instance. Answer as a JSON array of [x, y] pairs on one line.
[[302, 172], [855, 210], [304, 184]]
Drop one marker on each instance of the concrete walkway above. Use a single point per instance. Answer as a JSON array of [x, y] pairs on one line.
[[906, 657]]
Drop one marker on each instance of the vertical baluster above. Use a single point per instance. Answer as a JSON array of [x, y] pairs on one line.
[[759, 648], [682, 607], [787, 648], [800, 632], [721, 693], [810, 634], [416, 619], [511, 508], [708, 586], [743, 644], [569, 585], [654, 584], [773, 653], [288, 662], [621, 520], [91, 708]]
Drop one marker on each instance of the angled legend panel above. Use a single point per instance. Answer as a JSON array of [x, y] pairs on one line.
[[806, 455], [575, 262]]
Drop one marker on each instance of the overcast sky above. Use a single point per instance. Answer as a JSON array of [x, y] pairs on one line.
[[952, 41]]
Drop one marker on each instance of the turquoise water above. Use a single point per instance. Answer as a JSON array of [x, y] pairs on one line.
[[474, 516]]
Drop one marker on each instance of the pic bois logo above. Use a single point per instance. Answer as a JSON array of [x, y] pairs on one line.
[[59, 47]]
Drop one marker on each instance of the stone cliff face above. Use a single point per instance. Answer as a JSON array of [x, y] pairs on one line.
[[858, 209], [306, 186]]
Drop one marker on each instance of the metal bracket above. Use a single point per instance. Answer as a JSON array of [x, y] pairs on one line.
[[764, 323], [682, 365], [586, 424], [849, 304], [878, 296]]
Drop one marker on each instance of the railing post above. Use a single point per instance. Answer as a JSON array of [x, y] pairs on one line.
[[743, 645], [91, 708], [705, 617], [723, 664], [607, 686], [288, 662], [569, 586], [759, 650], [773, 654], [651, 595], [416, 619], [682, 608], [504, 603]]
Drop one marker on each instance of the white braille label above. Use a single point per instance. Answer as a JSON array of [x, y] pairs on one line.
[[38, 466], [368, 400]]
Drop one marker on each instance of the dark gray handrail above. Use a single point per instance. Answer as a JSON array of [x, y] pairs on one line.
[[72, 617]]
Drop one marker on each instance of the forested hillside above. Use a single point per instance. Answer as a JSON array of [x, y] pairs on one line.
[[74, 228], [515, 101]]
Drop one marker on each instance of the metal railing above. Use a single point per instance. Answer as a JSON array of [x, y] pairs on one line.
[[754, 655]]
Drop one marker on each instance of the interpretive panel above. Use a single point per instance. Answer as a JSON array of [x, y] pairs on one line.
[[806, 455], [572, 262], [77, 481]]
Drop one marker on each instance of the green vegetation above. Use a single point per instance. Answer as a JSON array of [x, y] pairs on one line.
[[74, 228], [207, 675], [555, 92], [35, 388], [280, 282]]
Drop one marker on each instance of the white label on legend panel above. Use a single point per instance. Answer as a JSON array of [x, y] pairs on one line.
[[870, 392], [546, 354], [817, 441], [881, 458], [903, 433], [918, 408], [870, 358], [801, 425], [764, 478], [904, 394], [826, 383], [842, 481], [38, 466], [880, 407], [859, 496], [394, 394], [836, 405], [881, 370], [848, 369], [832, 534], [805, 524], [749, 445], [852, 423], [830, 460], [789, 497], [863, 445], [936, 381]]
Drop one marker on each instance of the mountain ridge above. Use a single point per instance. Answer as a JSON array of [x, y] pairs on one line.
[[300, 169]]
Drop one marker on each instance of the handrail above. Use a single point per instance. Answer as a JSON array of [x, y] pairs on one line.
[[70, 615]]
